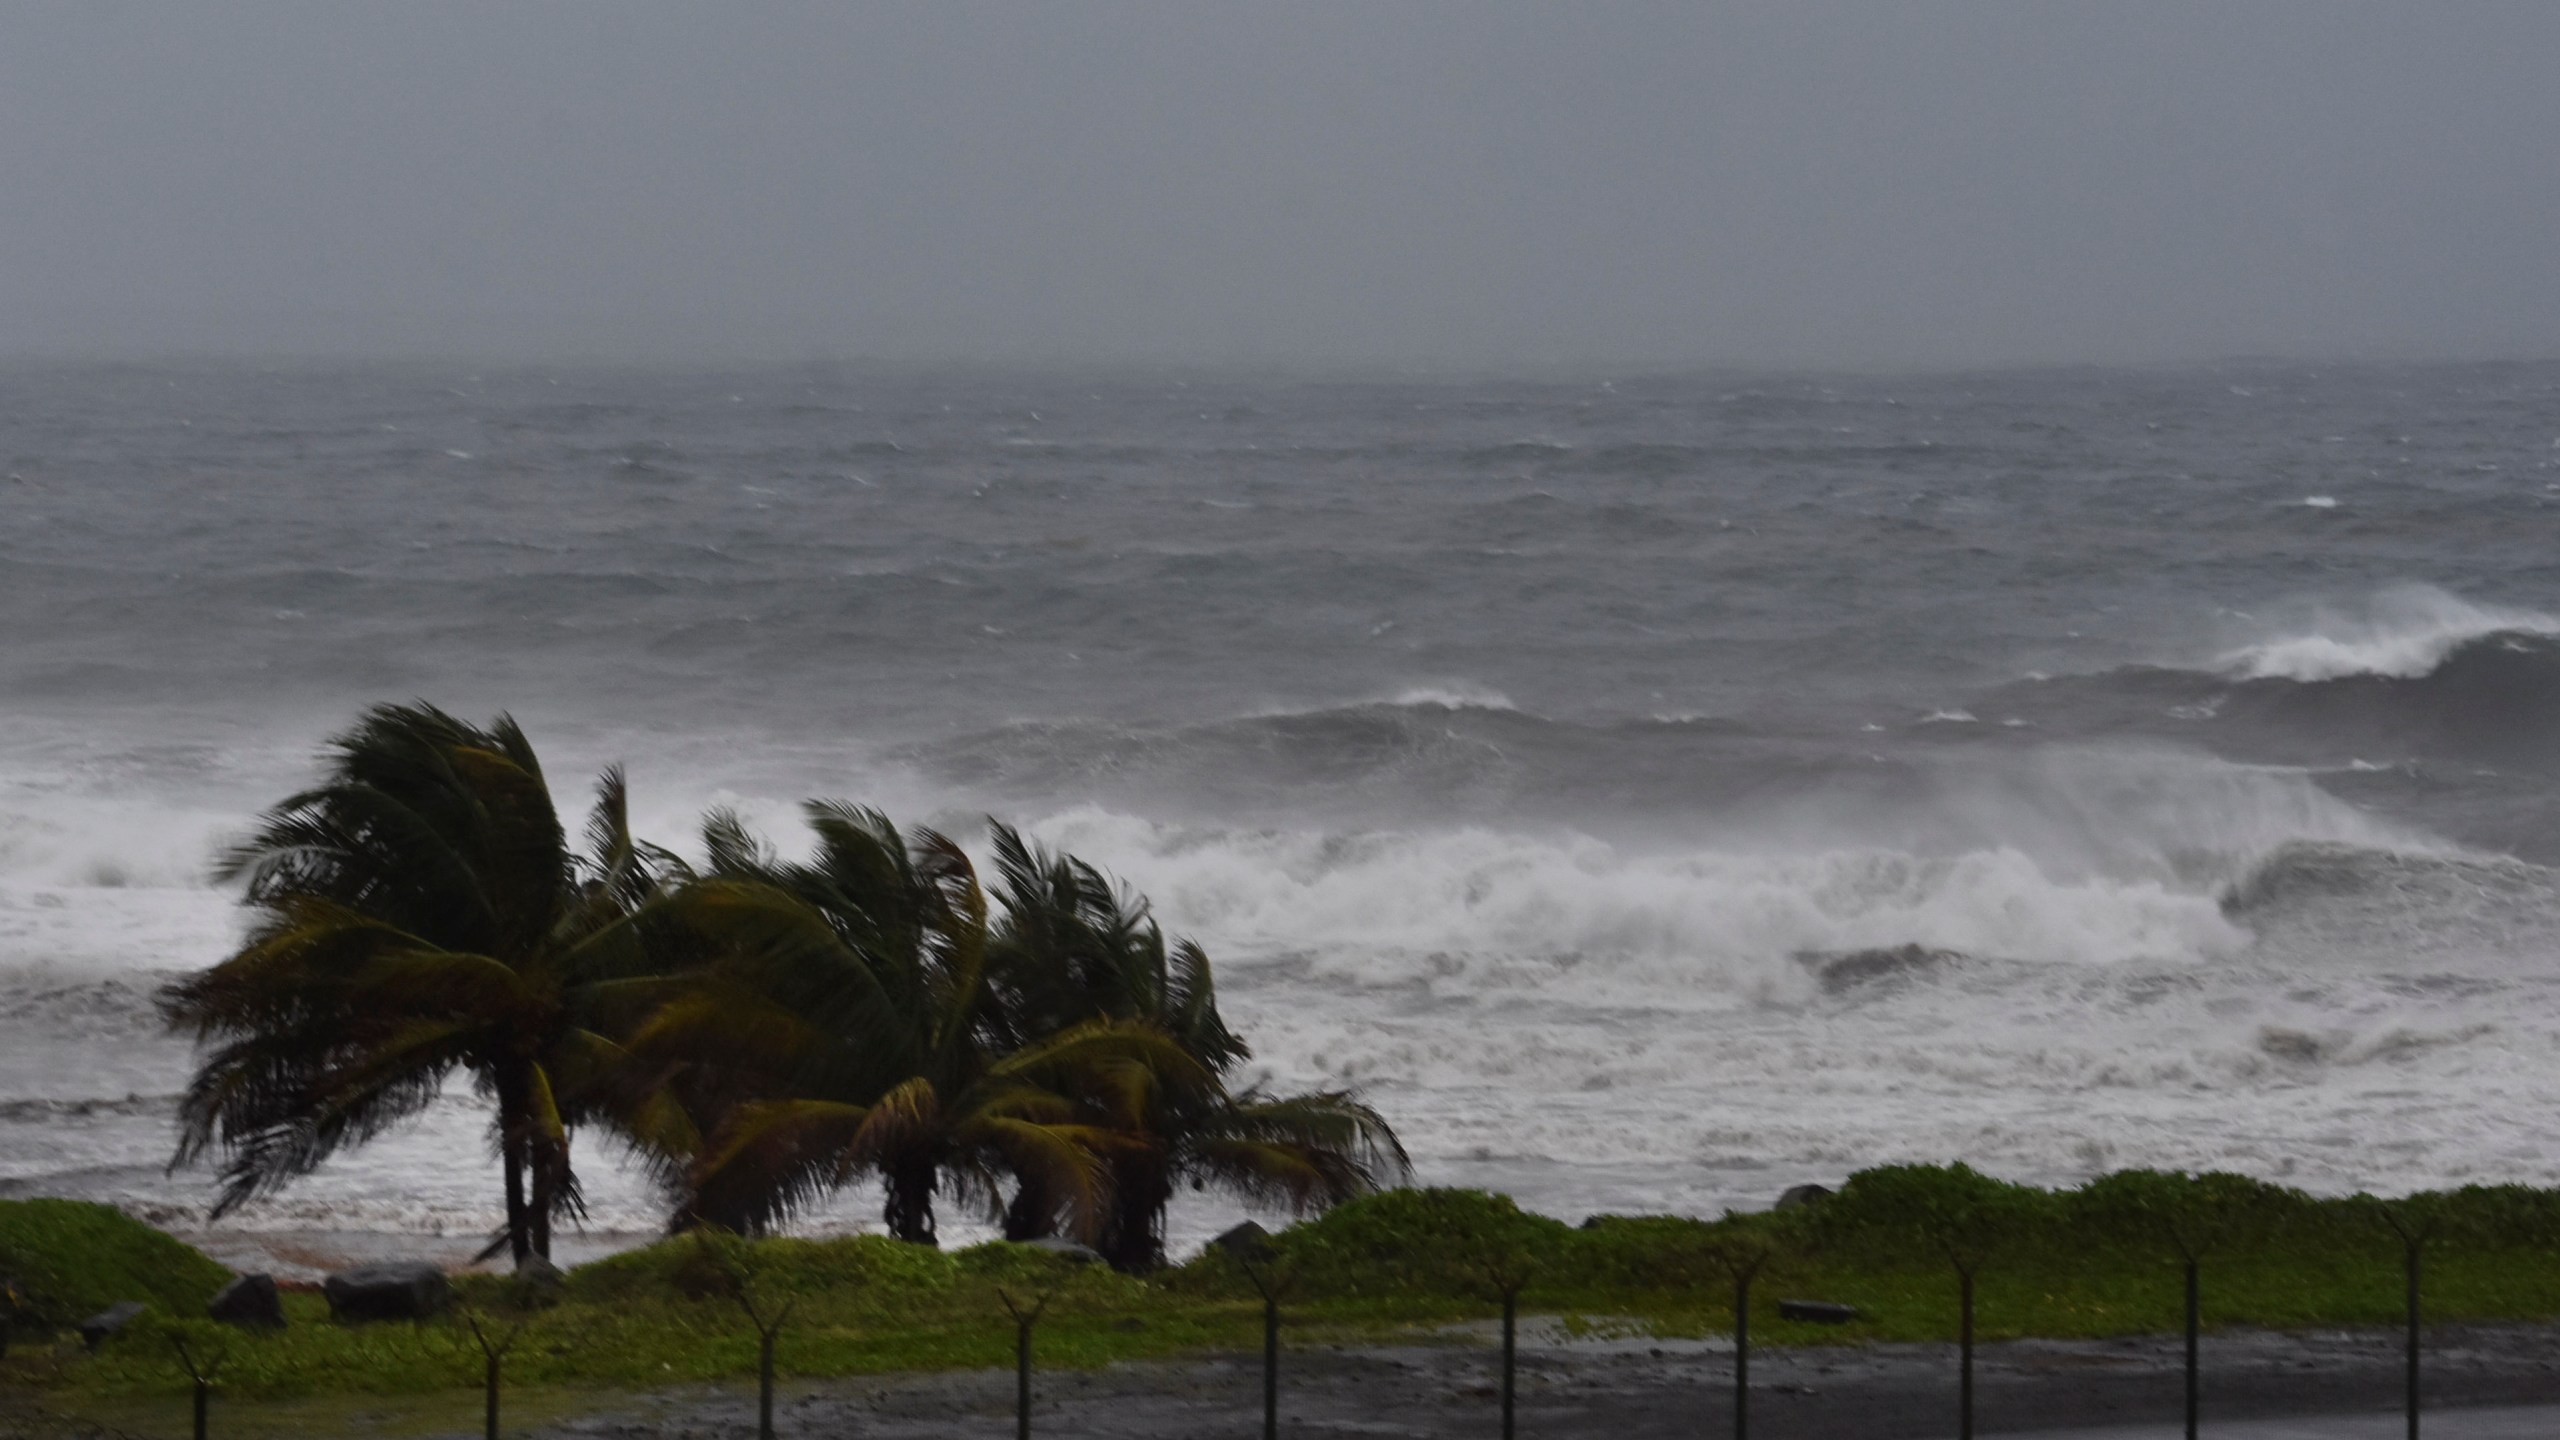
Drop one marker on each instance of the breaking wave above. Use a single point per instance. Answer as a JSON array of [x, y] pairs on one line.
[[2333, 902], [2493, 699], [2459, 683], [1507, 910], [2407, 632]]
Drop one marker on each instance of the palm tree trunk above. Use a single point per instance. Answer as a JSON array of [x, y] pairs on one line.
[[907, 1208], [546, 1195], [1133, 1232], [511, 1146], [1030, 1215], [524, 1163], [554, 1183]]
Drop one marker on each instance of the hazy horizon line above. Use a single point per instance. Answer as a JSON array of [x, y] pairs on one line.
[[1230, 369]]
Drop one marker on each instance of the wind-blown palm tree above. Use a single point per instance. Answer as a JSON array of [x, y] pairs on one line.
[[1073, 944], [849, 1031], [1075, 949], [417, 913]]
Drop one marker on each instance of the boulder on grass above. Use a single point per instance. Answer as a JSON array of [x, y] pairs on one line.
[[107, 1324], [539, 1283], [250, 1302], [1799, 1196], [1819, 1312], [1066, 1249], [1247, 1241], [393, 1290]]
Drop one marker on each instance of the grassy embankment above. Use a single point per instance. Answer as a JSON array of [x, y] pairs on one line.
[[1397, 1265]]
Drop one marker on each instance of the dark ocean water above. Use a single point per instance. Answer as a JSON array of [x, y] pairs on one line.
[[1528, 753]]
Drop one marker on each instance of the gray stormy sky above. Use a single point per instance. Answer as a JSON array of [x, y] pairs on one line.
[[1487, 184]]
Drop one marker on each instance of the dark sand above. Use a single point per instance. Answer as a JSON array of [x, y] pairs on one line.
[[1640, 1390]]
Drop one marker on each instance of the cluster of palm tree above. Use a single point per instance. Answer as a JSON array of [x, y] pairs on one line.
[[763, 1032]]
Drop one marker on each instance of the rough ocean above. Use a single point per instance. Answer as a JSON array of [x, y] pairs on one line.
[[1652, 792]]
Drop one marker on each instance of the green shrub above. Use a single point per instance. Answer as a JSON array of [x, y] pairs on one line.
[[2166, 1216], [1435, 1242], [72, 1259], [690, 1267], [1649, 1252]]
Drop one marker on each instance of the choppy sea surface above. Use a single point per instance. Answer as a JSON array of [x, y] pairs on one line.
[[1652, 791]]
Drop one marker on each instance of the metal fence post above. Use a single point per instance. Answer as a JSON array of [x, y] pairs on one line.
[[2194, 1314], [1510, 1355], [1742, 1355], [1270, 1367], [1964, 1340], [1023, 1320], [2415, 1251]]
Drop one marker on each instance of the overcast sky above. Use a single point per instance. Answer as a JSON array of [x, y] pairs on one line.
[[1485, 184]]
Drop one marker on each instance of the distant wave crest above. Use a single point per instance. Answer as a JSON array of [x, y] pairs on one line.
[[1456, 696], [2408, 632], [2490, 699], [2419, 675]]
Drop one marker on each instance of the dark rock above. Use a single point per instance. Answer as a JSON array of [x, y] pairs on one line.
[[1857, 968], [1066, 1249], [1819, 1312], [98, 1329], [1247, 1241], [539, 1283], [250, 1302], [1796, 1197], [394, 1290]]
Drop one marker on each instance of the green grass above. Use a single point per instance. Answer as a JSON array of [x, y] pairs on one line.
[[1401, 1265], [71, 1259]]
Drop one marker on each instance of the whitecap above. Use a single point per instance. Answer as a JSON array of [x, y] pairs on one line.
[[2403, 632], [1455, 695]]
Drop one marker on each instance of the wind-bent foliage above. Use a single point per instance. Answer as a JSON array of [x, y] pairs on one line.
[[763, 1032], [849, 1030], [419, 912], [1073, 948]]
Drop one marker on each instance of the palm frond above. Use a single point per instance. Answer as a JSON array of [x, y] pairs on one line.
[[1309, 1151], [772, 1160], [733, 851]]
